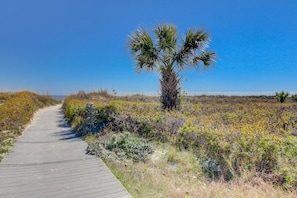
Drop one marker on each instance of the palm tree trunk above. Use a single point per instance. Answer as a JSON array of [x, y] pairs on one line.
[[170, 89]]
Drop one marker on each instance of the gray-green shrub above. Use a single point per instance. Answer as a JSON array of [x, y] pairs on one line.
[[121, 147]]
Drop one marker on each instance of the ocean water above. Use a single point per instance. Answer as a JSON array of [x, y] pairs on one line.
[[59, 97]]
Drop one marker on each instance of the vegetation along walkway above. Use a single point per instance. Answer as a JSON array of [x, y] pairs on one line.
[[50, 161]]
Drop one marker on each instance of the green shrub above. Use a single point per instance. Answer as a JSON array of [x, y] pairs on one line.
[[90, 123], [88, 118], [281, 96], [294, 97], [124, 145]]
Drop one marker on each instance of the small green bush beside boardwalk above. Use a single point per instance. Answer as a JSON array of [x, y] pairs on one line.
[[16, 110], [232, 138]]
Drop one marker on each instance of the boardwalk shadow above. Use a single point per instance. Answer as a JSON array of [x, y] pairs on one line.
[[67, 133]]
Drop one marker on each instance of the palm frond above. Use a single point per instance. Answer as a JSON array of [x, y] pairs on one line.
[[166, 37], [140, 40], [195, 42], [205, 57], [146, 60], [143, 50], [181, 57]]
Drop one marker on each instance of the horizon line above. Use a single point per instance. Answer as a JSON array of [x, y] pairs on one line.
[[232, 93]]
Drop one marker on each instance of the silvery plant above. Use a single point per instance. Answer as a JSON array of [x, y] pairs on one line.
[[91, 123], [212, 167]]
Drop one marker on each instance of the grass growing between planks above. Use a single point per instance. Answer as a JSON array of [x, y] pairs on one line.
[[16, 110], [213, 147]]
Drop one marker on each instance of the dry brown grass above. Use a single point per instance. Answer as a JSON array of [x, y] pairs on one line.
[[184, 178], [143, 180]]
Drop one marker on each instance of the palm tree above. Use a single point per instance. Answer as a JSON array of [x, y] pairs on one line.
[[169, 57]]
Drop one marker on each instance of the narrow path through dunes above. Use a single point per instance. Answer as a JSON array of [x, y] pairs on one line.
[[50, 161]]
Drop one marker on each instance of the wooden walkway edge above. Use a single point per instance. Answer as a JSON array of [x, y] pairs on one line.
[[50, 161]]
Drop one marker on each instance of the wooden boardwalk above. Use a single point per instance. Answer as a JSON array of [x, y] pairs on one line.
[[50, 161]]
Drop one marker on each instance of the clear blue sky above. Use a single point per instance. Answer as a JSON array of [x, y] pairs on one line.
[[62, 46]]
